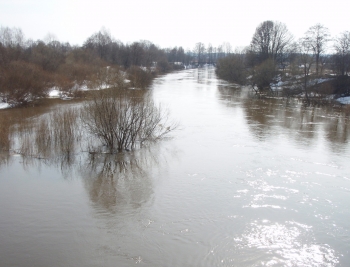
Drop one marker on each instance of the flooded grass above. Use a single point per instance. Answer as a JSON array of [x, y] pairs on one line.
[[40, 130], [5, 140], [113, 121], [65, 131], [47, 135]]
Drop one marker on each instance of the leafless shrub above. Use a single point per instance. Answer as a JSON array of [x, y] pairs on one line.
[[22, 82], [107, 77], [138, 77], [124, 119]]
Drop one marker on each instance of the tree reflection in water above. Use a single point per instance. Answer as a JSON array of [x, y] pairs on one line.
[[120, 181], [303, 124]]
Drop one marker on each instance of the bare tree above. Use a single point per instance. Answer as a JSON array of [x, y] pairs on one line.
[[180, 55], [220, 52], [199, 49], [11, 37], [306, 60], [270, 40], [317, 38], [48, 56], [215, 50], [136, 53], [49, 38], [100, 43], [342, 55], [210, 53], [227, 48]]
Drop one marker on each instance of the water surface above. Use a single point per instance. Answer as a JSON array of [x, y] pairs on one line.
[[244, 181]]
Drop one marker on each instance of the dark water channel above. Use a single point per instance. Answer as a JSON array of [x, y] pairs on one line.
[[242, 182]]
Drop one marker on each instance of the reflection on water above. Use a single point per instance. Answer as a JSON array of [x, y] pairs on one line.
[[255, 181], [121, 181], [266, 117]]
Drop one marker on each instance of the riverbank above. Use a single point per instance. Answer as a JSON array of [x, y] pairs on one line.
[[107, 77]]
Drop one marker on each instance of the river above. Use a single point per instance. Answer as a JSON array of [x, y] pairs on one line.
[[243, 181]]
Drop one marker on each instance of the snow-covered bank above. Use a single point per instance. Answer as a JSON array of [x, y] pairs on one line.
[[53, 93], [344, 100]]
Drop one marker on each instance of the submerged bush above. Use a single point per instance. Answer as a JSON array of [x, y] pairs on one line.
[[124, 119]]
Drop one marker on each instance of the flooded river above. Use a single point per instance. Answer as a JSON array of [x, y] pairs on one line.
[[243, 181]]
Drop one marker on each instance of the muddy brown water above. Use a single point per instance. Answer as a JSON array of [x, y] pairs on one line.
[[243, 181]]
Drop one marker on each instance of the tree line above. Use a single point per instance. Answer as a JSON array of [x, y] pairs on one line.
[[274, 55], [29, 68]]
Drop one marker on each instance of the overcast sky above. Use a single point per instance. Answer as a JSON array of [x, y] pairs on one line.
[[169, 23]]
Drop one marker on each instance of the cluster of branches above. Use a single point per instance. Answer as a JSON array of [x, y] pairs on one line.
[[273, 51], [125, 119]]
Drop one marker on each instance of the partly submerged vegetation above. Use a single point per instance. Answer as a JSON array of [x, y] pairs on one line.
[[110, 121], [124, 119]]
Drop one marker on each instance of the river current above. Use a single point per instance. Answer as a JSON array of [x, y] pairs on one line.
[[242, 181]]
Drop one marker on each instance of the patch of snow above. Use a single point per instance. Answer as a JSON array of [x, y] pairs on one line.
[[4, 105], [344, 100], [322, 80], [84, 87], [54, 92]]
